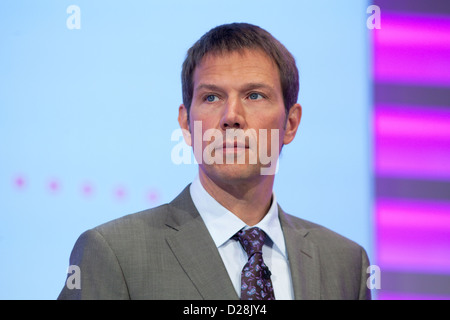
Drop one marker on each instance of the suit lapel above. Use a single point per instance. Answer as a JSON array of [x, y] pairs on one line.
[[191, 243], [195, 250], [303, 259]]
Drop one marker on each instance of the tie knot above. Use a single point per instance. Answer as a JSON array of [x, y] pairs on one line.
[[252, 240]]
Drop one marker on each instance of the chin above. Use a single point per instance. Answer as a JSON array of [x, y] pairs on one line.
[[233, 172]]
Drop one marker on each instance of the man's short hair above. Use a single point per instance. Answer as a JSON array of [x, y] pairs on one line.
[[233, 37]]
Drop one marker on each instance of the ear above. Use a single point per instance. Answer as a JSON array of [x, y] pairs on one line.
[[292, 123], [184, 124]]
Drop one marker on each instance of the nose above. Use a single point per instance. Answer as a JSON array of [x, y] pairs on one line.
[[233, 115]]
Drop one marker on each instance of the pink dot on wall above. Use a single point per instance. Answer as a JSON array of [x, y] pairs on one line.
[[19, 182], [54, 186], [87, 189], [120, 193], [153, 196]]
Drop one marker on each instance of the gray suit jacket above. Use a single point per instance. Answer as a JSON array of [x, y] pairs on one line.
[[168, 253]]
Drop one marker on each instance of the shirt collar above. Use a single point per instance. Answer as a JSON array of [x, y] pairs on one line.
[[222, 224]]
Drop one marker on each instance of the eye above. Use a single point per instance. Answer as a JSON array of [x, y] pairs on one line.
[[211, 98], [255, 96]]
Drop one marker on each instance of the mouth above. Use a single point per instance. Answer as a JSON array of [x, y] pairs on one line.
[[234, 145]]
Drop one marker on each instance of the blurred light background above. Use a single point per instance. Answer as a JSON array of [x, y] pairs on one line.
[[411, 73], [87, 115]]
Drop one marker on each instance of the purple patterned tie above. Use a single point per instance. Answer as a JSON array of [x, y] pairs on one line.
[[255, 276]]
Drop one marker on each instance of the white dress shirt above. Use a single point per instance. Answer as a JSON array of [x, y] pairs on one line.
[[222, 224]]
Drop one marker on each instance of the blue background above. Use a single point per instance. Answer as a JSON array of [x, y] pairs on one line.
[[98, 105]]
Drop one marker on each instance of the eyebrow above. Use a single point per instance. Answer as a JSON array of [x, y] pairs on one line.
[[211, 87], [245, 87]]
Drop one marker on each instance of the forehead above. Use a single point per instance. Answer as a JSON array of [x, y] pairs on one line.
[[237, 67]]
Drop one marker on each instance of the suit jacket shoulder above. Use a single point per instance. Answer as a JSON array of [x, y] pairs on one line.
[[319, 233], [167, 253], [154, 254], [333, 266]]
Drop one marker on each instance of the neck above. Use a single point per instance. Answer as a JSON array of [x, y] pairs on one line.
[[248, 200]]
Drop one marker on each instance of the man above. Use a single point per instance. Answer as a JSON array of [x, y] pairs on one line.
[[225, 236]]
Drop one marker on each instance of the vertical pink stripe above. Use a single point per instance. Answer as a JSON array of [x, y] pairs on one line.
[[425, 122], [413, 30], [413, 235], [412, 49], [412, 142]]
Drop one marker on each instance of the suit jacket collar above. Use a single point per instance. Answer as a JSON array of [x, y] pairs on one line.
[[303, 258], [191, 243], [223, 224]]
